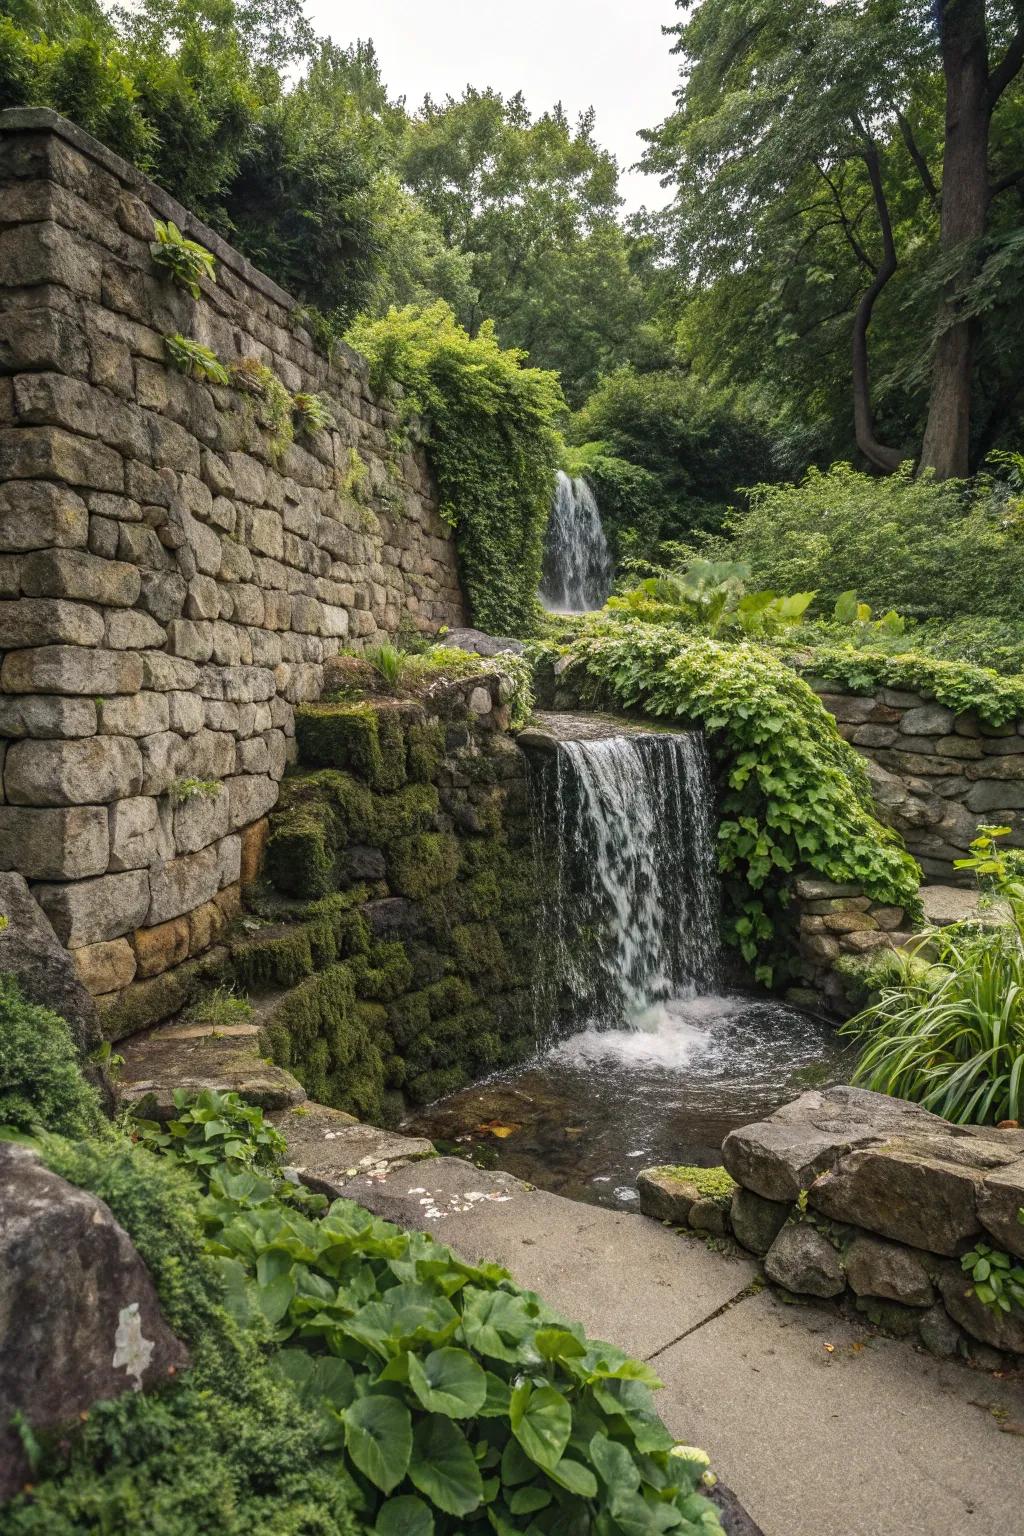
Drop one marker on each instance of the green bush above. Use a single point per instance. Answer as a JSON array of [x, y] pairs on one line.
[[41, 1085], [926, 548], [792, 794], [957, 684], [493, 447]]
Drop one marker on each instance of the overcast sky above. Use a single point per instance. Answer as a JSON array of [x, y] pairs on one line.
[[609, 54]]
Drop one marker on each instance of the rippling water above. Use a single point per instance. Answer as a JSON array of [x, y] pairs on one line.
[[586, 1115]]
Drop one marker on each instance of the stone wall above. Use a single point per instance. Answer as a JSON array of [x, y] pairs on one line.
[[172, 576], [935, 775]]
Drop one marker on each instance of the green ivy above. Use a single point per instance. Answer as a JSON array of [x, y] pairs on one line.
[[956, 684], [793, 795], [492, 444]]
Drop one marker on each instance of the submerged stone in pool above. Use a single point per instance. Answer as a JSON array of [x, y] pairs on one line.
[[586, 1115]]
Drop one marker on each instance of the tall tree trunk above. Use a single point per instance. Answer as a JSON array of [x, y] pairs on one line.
[[964, 44]]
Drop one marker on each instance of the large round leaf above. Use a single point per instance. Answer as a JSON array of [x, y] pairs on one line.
[[443, 1466], [404, 1516], [378, 1437], [541, 1422], [448, 1381]]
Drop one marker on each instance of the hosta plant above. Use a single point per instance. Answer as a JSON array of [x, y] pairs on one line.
[[998, 1279], [186, 260]]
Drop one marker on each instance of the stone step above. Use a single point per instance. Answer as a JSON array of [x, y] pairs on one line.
[[199, 1056], [329, 1150]]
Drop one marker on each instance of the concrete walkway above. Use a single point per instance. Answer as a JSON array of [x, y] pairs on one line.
[[821, 1427]]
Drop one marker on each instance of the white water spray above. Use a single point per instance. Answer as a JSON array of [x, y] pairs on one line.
[[577, 573]]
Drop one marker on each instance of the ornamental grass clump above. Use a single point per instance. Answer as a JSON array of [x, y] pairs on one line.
[[950, 1035]]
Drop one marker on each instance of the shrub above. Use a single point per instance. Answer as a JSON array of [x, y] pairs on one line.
[[792, 794], [41, 1085], [491, 441], [950, 1035], [923, 547]]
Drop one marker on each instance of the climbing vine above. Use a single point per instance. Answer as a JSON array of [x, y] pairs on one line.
[[793, 795], [492, 445], [957, 684]]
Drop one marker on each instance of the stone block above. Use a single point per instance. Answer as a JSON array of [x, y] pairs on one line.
[[183, 884], [802, 1260], [164, 758], [1000, 1201], [928, 720], [81, 1321], [189, 639], [205, 926], [229, 858], [252, 796], [54, 399], [71, 669], [666, 1195], [32, 952], [41, 337], [105, 967], [165, 674], [35, 621], [90, 911], [89, 770], [211, 754], [1005, 766], [54, 843], [138, 837], [998, 1329], [127, 629], [51, 453], [45, 252], [254, 841], [134, 714], [45, 714], [37, 515], [756, 1223], [159, 948], [199, 821], [185, 713], [989, 795], [76, 574], [877, 1268], [162, 594]]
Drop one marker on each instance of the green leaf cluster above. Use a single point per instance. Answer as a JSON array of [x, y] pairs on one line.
[[793, 796], [998, 1280], [958, 685], [187, 261], [40, 1080], [491, 438], [192, 358]]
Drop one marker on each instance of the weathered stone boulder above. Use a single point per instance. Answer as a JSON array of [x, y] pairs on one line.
[[801, 1259], [756, 1222], [79, 1316], [1000, 1202], [31, 951], [878, 1268], [780, 1156], [1002, 1330], [665, 1195], [919, 1190], [482, 644]]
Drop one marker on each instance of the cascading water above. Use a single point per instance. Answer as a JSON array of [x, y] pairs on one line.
[[632, 909], [577, 570]]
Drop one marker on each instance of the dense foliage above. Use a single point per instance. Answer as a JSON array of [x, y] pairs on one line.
[[793, 796], [949, 1033], [40, 1083], [957, 684], [344, 1371], [492, 446]]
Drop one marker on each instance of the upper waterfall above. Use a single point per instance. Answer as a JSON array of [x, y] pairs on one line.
[[577, 571]]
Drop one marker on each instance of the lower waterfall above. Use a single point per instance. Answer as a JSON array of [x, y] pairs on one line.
[[577, 571]]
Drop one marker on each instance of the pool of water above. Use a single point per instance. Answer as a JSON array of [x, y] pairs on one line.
[[585, 1115]]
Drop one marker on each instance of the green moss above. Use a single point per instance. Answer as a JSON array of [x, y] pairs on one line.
[[422, 863], [319, 1033], [383, 973], [425, 743], [429, 1086], [367, 741], [41, 1084], [409, 1015], [301, 850], [711, 1183], [480, 954], [412, 809], [280, 958], [157, 998]]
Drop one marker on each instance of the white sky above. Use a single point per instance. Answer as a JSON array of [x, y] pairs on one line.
[[609, 54]]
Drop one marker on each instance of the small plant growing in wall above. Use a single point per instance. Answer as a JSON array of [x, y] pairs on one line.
[[182, 790], [997, 1279], [193, 359], [311, 414], [186, 260], [352, 482], [269, 402]]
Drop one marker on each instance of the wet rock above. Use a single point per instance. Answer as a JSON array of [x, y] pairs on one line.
[[801, 1259], [756, 1222], [1001, 1330], [31, 951], [877, 1268], [938, 1332], [79, 1316], [665, 1195]]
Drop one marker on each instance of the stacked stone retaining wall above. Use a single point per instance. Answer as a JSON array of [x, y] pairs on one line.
[[172, 575]]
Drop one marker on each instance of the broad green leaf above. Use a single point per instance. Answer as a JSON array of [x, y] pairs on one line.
[[558, 1344], [527, 1501], [443, 1466], [575, 1477], [615, 1466], [449, 1381], [275, 1297], [378, 1437], [498, 1401], [405, 1515], [541, 1422]]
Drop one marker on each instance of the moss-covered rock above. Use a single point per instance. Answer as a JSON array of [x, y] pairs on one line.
[[368, 741], [302, 849], [422, 863], [425, 741], [412, 809], [318, 1032]]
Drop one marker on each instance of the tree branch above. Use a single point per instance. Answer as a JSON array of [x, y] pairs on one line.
[[847, 228], [927, 180], [884, 458], [1007, 68], [1005, 183]]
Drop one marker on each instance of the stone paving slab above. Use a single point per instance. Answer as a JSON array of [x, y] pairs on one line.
[[327, 1148]]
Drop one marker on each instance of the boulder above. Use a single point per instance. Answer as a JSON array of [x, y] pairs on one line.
[[31, 951], [481, 644], [79, 1315], [801, 1259], [1000, 1202], [756, 1222], [877, 1268], [780, 1156], [938, 1332], [665, 1195], [1002, 1330]]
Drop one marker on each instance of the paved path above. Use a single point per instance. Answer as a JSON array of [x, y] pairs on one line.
[[867, 1437]]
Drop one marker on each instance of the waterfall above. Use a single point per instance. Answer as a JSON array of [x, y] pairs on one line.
[[577, 572], [629, 877]]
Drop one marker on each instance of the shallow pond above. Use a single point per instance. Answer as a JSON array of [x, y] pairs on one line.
[[585, 1115]]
